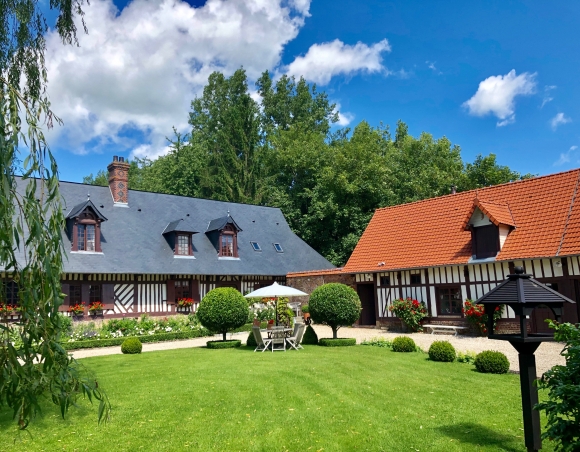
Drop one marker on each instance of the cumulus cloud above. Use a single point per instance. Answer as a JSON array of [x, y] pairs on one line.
[[344, 118], [496, 95], [326, 60], [558, 120], [134, 75], [568, 156]]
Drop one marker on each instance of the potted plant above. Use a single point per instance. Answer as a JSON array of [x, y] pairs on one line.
[[184, 304], [474, 313], [96, 308], [305, 312], [7, 311], [77, 310], [411, 312]]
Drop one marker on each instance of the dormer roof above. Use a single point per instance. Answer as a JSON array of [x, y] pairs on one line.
[[498, 213], [80, 208], [179, 226], [220, 223]]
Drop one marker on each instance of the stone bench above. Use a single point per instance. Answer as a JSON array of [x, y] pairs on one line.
[[444, 328]]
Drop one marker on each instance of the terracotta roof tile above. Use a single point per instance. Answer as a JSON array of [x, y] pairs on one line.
[[431, 232], [332, 271]]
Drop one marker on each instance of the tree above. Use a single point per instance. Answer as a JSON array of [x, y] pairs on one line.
[[335, 305], [31, 219], [485, 171], [222, 310]]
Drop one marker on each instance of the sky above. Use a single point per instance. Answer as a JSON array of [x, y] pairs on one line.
[[492, 76]]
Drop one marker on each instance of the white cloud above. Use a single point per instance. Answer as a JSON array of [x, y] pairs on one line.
[[344, 118], [496, 95], [559, 119], [326, 60], [431, 65], [567, 156], [547, 96], [134, 75]]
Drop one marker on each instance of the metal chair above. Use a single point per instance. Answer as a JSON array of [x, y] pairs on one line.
[[296, 338], [263, 344]]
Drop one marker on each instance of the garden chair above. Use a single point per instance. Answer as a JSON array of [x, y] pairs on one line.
[[296, 338], [278, 338], [262, 344]]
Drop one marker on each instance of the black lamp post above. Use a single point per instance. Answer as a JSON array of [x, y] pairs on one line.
[[523, 293]]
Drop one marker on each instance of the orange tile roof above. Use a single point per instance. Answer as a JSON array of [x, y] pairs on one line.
[[544, 210], [332, 271]]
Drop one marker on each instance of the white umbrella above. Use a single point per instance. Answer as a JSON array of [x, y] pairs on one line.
[[274, 291]]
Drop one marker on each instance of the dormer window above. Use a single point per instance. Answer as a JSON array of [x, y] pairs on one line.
[[84, 222], [223, 233], [489, 223], [179, 234]]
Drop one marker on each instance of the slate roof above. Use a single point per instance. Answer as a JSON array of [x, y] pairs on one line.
[[545, 211], [132, 240], [219, 223], [76, 210], [179, 226]]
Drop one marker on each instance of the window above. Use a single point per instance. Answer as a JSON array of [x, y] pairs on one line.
[[86, 237], [485, 241], [75, 294], [256, 246], [385, 281], [278, 248], [182, 289], [95, 293], [227, 245], [183, 245], [11, 291], [415, 278], [449, 299]]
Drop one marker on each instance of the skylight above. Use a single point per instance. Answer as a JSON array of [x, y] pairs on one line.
[[256, 246], [278, 248]]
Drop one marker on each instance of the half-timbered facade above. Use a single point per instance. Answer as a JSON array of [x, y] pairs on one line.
[[445, 250], [139, 252]]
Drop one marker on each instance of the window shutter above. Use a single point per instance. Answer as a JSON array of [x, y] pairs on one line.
[[66, 303], [170, 292], [108, 294], [195, 290]]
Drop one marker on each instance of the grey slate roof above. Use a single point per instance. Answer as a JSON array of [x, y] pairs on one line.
[[76, 210], [179, 226], [132, 240], [219, 223]]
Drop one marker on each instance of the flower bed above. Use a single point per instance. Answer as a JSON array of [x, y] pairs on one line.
[[410, 311]]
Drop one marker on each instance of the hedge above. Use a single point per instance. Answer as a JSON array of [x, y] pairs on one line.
[[224, 344], [404, 344], [160, 337], [340, 342], [442, 351], [131, 346], [492, 362]]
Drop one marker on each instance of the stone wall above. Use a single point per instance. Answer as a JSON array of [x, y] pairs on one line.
[[307, 283]]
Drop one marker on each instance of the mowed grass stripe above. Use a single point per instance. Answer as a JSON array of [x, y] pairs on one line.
[[331, 399]]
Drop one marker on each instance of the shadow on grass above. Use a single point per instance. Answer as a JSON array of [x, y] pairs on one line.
[[480, 435]]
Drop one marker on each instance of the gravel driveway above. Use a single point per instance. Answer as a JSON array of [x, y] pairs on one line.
[[547, 355]]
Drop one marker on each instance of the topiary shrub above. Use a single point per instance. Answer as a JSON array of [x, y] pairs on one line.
[[404, 344], [131, 346], [490, 362], [224, 344], [310, 337], [442, 351], [334, 305], [222, 310], [251, 342], [341, 342]]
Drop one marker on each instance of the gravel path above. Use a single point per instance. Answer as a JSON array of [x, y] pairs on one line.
[[547, 355]]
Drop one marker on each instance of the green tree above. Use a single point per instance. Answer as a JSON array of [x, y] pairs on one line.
[[335, 305], [222, 310], [31, 219], [225, 120], [485, 171]]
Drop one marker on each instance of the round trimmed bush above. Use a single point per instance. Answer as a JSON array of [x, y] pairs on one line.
[[335, 305], [310, 337], [491, 362], [251, 342], [340, 342], [442, 351], [222, 310], [404, 344], [131, 346], [224, 344]]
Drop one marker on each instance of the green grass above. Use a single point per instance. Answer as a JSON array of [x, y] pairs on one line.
[[318, 399]]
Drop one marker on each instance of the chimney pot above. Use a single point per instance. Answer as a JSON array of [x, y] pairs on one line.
[[453, 189], [119, 180]]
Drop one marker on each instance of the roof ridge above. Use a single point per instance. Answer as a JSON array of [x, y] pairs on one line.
[[568, 216], [479, 189]]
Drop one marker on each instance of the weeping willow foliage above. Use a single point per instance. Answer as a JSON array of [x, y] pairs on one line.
[[32, 221]]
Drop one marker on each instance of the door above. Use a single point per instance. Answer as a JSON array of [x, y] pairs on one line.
[[542, 313], [366, 293]]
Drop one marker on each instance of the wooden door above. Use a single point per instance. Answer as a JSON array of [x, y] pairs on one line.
[[366, 293]]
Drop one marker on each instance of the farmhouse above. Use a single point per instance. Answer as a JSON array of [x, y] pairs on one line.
[[140, 252], [445, 250]]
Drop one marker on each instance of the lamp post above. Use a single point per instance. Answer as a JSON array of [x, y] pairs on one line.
[[523, 293]]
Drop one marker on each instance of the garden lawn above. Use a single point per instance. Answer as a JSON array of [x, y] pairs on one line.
[[318, 399]]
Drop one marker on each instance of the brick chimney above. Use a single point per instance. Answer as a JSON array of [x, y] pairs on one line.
[[119, 180]]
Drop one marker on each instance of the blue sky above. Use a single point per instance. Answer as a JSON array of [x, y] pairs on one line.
[[492, 76]]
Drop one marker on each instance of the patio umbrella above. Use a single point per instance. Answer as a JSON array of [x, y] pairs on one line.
[[274, 291]]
